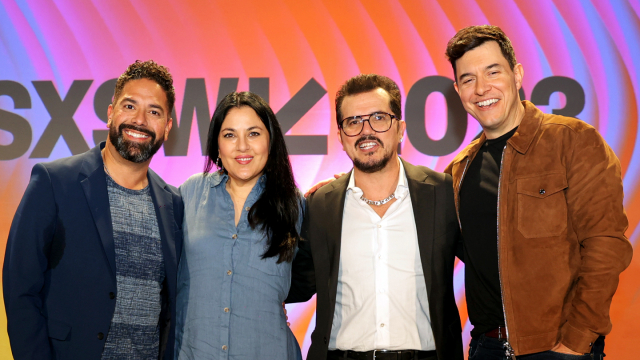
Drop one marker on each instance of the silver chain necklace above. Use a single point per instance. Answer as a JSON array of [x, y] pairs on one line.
[[378, 202]]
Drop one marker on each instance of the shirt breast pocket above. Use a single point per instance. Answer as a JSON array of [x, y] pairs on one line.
[[268, 265], [542, 206]]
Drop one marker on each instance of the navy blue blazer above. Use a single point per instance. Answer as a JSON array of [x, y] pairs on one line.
[[59, 274]]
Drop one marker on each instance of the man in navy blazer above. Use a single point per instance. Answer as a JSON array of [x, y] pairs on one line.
[[74, 267]]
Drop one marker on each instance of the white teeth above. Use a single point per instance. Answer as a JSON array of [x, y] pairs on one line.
[[136, 135], [244, 159], [367, 145], [487, 102]]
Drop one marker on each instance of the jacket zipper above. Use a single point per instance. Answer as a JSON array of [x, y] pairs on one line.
[[508, 350]]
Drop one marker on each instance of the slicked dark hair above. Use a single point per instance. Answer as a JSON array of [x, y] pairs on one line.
[[277, 210], [369, 82], [471, 37], [148, 70]]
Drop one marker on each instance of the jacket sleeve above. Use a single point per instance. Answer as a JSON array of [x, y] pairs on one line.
[[594, 203], [25, 264], [303, 275], [451, 201]]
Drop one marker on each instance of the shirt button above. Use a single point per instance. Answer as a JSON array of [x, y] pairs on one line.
[[381, 325], [247, 208], [379, 226], [229, 272], [112, 295], [542, 191], [226, 310], [224, 347], [100, 336], [234, 236]]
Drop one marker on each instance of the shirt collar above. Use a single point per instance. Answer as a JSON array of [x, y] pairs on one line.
[[219, 177], [402, 181]]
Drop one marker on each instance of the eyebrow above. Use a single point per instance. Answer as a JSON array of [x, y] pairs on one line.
[[232, 129], [153, 106], [485, 69], [126, 99]]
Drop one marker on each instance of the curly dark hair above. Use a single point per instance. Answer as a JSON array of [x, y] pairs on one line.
[[368, 82], [471, 37], [148, 70], [277, 210]]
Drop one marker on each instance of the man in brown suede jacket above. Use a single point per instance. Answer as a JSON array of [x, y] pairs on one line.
[[539, 200]]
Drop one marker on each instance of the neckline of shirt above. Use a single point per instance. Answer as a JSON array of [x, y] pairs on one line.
[[399, 192]]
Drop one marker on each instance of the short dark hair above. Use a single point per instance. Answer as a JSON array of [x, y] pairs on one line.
[[471, 37], [369, 82], [148, 70], [277, 210]]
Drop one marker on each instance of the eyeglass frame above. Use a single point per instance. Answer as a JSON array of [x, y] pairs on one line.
[[367, 120]]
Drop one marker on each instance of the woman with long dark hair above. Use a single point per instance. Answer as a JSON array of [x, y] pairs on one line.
[[241, 228]]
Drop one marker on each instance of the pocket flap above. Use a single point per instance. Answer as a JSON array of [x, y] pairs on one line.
[[542, 186], [58, 330]]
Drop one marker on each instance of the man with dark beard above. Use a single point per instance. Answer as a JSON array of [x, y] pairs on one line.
[[379, 244], [91, 259]]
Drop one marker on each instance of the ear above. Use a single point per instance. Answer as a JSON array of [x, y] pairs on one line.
[[402, 127], [455, 86], [109, 111], [518, 72], [167, 128], [340, 138]]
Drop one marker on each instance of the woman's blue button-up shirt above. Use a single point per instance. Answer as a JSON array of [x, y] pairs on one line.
[[229, 303]]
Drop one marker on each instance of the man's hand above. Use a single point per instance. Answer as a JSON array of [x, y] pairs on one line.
[[560, 348], [322, 183]]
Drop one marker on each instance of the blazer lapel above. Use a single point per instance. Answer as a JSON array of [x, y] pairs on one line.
[[423, 203], [163, 204], [94, 185], [334, 208]]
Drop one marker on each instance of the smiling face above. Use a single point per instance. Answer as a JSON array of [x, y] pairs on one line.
[[489, 88], [370, 151], [139, 120], [243, 145]]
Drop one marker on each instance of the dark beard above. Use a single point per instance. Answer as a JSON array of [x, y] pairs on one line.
[[371, 167], [132, 151]]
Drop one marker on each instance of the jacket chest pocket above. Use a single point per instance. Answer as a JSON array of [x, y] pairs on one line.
[[542, 206]]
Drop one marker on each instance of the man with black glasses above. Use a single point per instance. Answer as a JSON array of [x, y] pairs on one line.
[[379, 244]]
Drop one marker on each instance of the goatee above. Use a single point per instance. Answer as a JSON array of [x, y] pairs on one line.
[[371, 166], [134, 151]]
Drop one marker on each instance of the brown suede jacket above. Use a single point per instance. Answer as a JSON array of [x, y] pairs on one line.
[[561, 224]]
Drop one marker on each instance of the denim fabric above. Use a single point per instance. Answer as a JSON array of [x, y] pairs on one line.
[[486, 348], [229, 303]]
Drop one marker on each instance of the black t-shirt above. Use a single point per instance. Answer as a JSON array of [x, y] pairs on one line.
[[479, 219]]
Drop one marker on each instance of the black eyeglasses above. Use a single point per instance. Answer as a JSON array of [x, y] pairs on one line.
[[379, 122]]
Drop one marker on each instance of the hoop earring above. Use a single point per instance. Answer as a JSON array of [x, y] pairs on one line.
[[219, 163]]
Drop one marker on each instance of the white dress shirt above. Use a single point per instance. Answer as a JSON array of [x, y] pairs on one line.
[[381, 302]]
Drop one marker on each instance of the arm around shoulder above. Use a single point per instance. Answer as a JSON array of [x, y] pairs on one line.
[[303, 277]]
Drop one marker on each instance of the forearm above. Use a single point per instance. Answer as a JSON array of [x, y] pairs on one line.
[[303, 279]]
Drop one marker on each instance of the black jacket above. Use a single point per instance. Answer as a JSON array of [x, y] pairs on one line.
[[316, 265]]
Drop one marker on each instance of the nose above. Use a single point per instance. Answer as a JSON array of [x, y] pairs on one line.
[[242, 144], [140, 118], [366, 127], [482, 86]]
